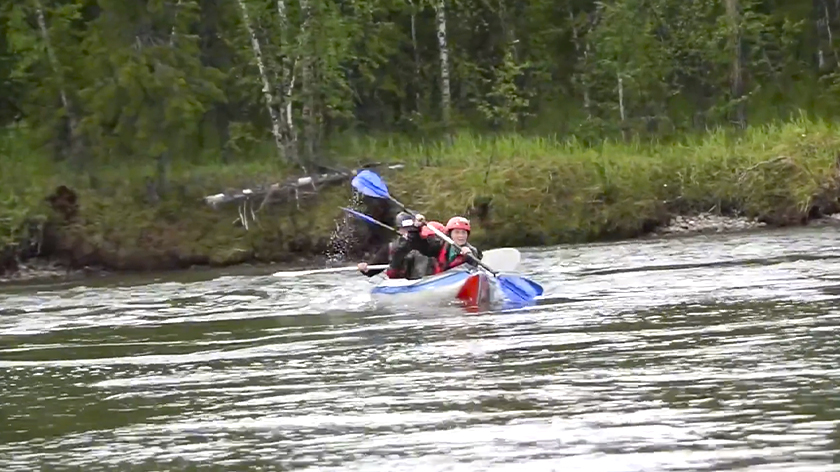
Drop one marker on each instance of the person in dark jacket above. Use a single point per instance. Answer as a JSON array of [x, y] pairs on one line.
[[410, 256]]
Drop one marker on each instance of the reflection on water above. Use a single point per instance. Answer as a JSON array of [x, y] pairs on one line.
[[705, 353]]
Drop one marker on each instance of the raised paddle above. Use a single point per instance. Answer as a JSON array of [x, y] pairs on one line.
[[517, 289]]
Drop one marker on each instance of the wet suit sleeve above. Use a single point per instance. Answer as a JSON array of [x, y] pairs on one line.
[[433, 247], [403, 247]]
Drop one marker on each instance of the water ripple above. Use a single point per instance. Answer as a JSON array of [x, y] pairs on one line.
[[707, 353]]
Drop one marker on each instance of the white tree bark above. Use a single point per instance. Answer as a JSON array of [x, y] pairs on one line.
[[175, 16], [621, 97], [445, 94], [830, 35], [269, 98], [56, 67], [288, 77], [737, 79], [307, 110], [416, 55]]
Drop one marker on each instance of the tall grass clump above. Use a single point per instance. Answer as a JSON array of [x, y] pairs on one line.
[[545, 191]]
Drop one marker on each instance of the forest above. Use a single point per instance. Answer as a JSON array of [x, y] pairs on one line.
[[193, 79], [244, 88]]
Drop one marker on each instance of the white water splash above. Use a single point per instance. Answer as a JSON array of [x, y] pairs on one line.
[[343, 237]]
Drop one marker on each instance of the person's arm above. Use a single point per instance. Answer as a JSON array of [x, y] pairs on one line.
[[433, 246], [380, 257], [475, 252], [404, 245]]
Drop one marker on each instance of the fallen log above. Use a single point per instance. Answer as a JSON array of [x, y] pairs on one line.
[[296, 189]]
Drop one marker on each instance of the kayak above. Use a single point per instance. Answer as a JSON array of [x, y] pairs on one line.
[[468, 287]]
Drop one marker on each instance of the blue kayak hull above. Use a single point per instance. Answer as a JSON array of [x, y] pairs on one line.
[[443, 288]]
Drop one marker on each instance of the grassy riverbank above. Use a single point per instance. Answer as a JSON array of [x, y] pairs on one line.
[[518, 190]]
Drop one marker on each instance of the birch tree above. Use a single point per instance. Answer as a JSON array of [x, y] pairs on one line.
[[267, 89], [443, 45]]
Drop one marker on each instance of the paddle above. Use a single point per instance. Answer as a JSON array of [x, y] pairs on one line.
[[515, 288], [299, 273], [369, 219]]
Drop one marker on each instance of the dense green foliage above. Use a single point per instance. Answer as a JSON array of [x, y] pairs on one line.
[[162, 101], [113, 80]]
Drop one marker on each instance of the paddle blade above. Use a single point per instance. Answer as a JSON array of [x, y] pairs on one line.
[[504, 259], [369, 183], [537, 288], [518, 289]]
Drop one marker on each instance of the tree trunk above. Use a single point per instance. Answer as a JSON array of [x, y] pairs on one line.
[[830, 34], [621, 112], [269, 97], [72, 121], [416, 56], [584, 84], [445, 94], [306, 77], [174, 17], [287, 81], [736, 78]]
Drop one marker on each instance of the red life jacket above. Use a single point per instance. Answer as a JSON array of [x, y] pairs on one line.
[[443, 262]]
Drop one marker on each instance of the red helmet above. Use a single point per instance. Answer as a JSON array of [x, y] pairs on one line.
[[426, 231], [458, 222]]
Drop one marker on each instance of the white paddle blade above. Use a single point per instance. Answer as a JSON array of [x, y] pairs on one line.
[[505, 259], [301, 273]]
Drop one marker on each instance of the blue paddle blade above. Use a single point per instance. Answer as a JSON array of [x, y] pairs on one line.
[[362, 216], [537, 288], [518, 289], [369, 183]]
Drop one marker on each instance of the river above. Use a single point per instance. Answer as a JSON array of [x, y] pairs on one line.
[[702, 353]]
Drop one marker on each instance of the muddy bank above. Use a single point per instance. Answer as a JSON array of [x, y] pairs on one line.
[[119, 229], [66, 246], [84, 234]]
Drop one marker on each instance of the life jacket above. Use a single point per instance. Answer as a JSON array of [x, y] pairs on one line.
[[443, 262]]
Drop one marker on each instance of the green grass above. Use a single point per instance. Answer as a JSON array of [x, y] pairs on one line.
[[535, 190], [544, 191]]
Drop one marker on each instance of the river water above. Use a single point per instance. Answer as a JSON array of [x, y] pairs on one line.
[[701, 353]]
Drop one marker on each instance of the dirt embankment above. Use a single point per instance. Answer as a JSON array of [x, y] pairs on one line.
[[69, 243]]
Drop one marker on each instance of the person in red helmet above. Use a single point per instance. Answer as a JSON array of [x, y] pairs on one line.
[[427, 233], [458, 228]]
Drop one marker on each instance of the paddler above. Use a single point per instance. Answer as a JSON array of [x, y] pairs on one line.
[[427, 233], [410, 256], [449, 256]]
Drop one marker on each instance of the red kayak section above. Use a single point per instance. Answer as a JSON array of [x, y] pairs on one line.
[[475, 291]]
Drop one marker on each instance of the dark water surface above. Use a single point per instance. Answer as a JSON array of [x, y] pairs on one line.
[[705, 353]]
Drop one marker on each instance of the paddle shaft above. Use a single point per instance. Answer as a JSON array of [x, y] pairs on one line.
[[446, 238], [298, 273], [369, 219]]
